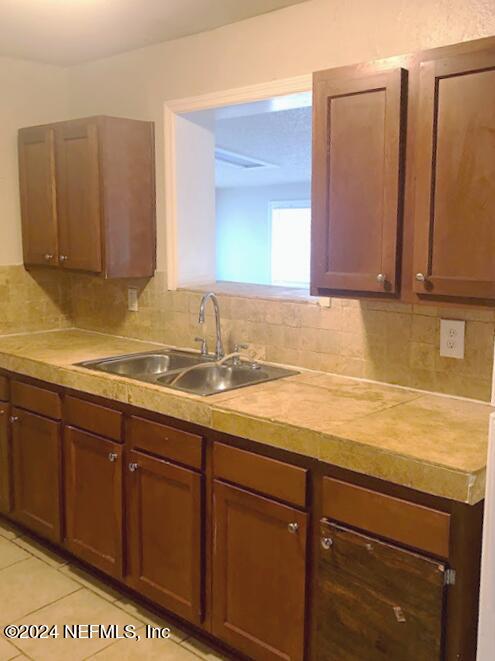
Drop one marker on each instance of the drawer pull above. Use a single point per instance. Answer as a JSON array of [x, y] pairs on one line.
[[326, 543], [112, 456], [133, 467], [14, 418], [399, 614], [293, 528]]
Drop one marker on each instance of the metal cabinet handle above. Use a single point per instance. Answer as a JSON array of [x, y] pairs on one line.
[[420, 277], [63, 258], [133, 467], [48, 256], [14, 418], [326, 543], [113, 456], [293, 528], [381, 278]]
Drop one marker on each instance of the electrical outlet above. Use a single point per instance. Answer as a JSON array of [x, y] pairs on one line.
[[452, 338], [132, 299]]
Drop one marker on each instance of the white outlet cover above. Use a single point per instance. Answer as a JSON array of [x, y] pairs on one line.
[[132, 299], [452, 333]]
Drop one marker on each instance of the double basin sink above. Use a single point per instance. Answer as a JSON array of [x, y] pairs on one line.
[[187, 371]]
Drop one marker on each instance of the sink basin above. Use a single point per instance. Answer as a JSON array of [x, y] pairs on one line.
[[145, 366]]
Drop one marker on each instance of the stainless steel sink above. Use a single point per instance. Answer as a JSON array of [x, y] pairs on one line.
[[165, 368]]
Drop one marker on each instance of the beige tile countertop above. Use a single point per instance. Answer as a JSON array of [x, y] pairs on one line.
[[433, 443]]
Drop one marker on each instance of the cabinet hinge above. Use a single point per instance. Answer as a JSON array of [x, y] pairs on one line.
[[449, 577]]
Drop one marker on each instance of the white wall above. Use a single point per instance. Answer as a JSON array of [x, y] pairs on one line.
[[30, 94], [244, 229], [296, 40]]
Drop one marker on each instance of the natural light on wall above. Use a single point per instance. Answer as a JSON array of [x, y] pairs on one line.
[[290, 243]]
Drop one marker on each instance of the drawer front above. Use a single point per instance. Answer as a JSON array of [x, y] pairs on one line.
[[262, 474], [4, 389], [404, 522], [36, 399], [164, 441], [93, 417]]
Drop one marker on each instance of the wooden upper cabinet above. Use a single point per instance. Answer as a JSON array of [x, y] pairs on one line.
[[455, 177], [88, 196], [358, 131], [38, 195]]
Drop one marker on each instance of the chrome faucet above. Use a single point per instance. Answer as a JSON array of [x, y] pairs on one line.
[[219, 352]]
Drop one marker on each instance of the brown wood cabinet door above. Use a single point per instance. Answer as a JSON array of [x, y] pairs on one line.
[[5, 460], [259, 574], [358, 128], [38, 195], [36, 450], [455, 177], [376, 601], [78, 195], [165, 534], [93, 497]]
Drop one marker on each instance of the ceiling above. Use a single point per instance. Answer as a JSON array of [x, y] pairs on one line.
[[72, 31]]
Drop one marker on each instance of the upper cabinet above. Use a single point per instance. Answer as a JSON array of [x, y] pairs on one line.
[[88, 196], [454, 252], [358, 124]]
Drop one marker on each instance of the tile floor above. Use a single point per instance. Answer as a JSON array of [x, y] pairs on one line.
[[38, 586]]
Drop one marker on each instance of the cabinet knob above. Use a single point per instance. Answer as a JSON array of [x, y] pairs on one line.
[[48, 257], [63, 258], [381, 278], [133, 467], [420, 277], [14, 418], [112, 456], [326, 543], [293, 528]]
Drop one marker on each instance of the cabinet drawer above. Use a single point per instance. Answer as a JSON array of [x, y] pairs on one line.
[[164, 441], [4, 389], [262, 474], [93, 417], [407, 523], [35, 399]]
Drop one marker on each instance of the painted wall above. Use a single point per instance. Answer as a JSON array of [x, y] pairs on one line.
[[243, 229], [30, 94]]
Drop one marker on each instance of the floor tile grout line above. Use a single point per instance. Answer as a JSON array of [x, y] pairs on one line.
[[49, 603]]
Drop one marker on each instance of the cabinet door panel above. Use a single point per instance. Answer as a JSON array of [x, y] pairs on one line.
[[78, 196], [36, 450], [5, 460], [38, 195], [165, 534], [93, 490], [455, 178], [259, 579], [358, 127], [376, 601]]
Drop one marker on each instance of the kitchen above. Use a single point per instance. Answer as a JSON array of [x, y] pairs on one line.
[[266, 472]]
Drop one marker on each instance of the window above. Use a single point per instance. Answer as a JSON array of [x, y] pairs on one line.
[[290, 243]]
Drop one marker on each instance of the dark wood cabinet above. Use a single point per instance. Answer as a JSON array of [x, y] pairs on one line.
[[94, 499], [5, 460], [88, 196], [455, 176], [36, 451], [358, 134], [259, 574], [164, 534], [376, 601]]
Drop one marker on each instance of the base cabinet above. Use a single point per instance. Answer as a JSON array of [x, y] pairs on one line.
[[164, 528], [259, 574], [376, 601], [36, 450], [5, 460], [93, 497]]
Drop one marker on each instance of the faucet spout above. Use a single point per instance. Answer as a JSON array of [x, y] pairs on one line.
[[219, 351]]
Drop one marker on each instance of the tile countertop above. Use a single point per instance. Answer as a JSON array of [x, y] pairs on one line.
[[433, 443]]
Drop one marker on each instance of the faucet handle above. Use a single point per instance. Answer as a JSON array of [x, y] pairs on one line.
[[240, 347], [204, 345]]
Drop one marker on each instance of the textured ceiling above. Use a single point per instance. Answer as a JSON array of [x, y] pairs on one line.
[[72, 31], [281, 138]]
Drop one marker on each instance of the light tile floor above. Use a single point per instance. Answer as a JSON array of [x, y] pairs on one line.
[[37, 586]]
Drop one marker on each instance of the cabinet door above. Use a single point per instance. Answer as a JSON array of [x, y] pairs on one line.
[[376, 601], [5, 460], [38, 195], [259, 574], [455, 177], [37, 466], [358, 128], [165, 534], [93, 496], [78, 195]]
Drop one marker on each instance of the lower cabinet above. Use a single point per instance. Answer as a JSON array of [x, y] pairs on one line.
[[5, 460], [93, 499], [259, 574], [36, 451], [164, 528], [376, 601]]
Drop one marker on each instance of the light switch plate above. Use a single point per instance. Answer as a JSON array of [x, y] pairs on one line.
[[132, 299], [452, 338]]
